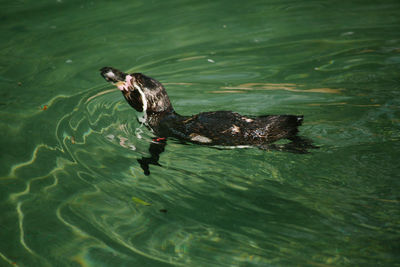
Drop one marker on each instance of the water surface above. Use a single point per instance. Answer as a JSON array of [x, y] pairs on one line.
[[73, 194]]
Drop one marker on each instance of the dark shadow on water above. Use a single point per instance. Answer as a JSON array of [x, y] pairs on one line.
[[297, 145]]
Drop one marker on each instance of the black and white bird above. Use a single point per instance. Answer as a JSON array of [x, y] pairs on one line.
[[216, 128]]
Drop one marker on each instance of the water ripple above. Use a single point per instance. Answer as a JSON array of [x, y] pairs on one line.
[[73, 192]]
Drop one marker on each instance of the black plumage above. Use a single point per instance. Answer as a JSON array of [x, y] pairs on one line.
[[222, 128]]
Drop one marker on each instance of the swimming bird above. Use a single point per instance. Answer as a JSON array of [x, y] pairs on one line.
[[216, 128]]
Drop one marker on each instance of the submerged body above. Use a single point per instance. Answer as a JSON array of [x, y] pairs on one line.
[[222, 128], [227, 128]]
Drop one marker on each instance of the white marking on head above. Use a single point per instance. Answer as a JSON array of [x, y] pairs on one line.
[[110, 74], [143, 118], [144, 101]]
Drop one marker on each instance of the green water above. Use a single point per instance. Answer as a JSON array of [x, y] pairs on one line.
[[73, 194]]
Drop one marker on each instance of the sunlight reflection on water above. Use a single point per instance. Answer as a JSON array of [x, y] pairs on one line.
[[73, 193]]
